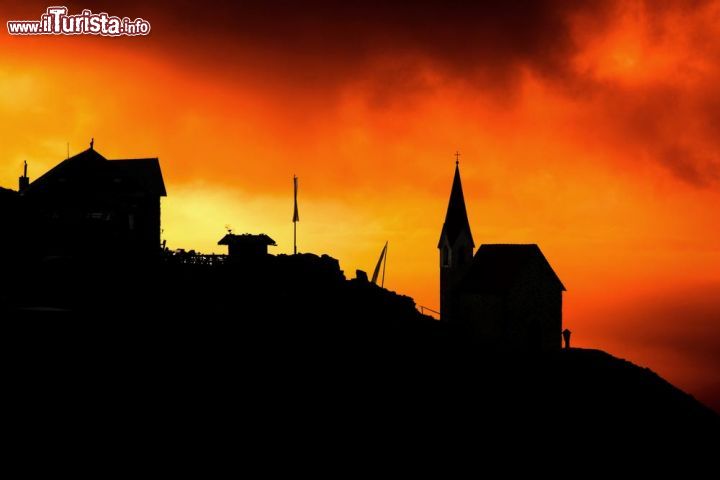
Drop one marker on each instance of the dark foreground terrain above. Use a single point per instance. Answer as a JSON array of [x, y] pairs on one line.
[[286, 359]]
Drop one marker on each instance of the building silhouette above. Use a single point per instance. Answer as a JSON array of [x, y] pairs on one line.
[[247, 246], [89, 205], [505, 296], [10, 242], [456, 249]]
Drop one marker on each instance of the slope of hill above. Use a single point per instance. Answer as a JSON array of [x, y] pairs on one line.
[[290, 345]]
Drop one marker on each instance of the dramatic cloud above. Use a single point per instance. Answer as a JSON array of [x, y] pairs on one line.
[[637, 66]]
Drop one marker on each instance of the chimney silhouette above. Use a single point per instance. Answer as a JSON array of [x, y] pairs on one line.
[[23, 181]]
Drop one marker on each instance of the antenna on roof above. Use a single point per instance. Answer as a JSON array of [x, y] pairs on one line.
[[92, 143]]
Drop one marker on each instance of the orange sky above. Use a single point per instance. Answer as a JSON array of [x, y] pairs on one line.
[[592, 130]]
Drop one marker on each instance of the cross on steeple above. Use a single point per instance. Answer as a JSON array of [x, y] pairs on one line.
[[457, 158]]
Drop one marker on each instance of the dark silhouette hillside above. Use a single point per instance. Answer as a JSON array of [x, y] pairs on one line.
[[285, 345]]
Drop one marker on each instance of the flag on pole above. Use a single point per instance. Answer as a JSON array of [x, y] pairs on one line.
[[377, 267], [296, 215]]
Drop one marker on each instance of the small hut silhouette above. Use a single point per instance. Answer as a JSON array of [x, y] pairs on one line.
[[247, 246]]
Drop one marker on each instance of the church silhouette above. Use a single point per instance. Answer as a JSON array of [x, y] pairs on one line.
[[506, 297]]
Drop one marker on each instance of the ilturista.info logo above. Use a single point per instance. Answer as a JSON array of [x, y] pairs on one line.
[[56, 21]]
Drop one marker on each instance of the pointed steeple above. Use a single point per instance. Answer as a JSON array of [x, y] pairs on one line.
[[456, 219]]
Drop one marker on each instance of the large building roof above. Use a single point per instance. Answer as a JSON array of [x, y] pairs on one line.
[[90, 172], [497, 267]]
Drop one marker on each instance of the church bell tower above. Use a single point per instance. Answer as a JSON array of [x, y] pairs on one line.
[[456, 249]]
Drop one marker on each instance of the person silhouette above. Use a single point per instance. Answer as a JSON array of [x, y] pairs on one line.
[[566, 337]]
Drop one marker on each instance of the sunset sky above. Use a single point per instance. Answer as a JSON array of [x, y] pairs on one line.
[[590, 128]]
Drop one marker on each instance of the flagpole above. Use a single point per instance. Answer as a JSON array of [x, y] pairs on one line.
[[296, 215]]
